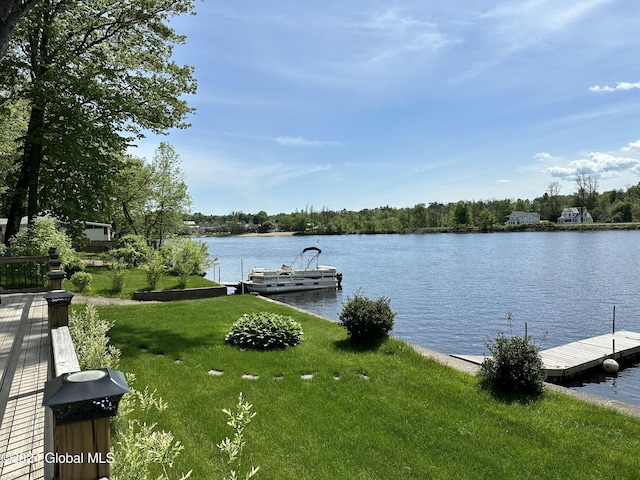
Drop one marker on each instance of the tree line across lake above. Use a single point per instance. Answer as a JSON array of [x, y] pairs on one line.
[[614, 206]]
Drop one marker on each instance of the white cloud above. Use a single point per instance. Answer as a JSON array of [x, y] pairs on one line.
[[303, 142], [543, 156], [631, 146], [599, 164], [504, 181], [620, 86], [519, 24]]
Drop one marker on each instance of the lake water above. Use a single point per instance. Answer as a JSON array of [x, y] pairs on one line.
[[453, 291]]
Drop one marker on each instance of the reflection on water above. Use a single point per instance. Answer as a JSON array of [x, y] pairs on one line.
[[610, 385], [319, 300]]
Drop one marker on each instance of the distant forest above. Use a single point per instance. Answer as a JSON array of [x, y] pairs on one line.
[[614, 206]]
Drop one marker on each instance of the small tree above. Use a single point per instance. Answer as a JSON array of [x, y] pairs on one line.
[[154, 269], [186, 257], [367, 320]]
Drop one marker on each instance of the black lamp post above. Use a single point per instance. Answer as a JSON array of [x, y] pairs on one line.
[[82, 403]]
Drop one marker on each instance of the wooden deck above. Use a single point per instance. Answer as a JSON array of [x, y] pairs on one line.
[[576, 358], [24, 354]]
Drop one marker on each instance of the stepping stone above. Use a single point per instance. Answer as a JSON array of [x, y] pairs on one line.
[[307, 376], [216, 373], [248, 376]]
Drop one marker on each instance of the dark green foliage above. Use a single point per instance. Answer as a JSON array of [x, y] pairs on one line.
[[264, 331], [74, 266], [515, 366], [131, 250], [367, 320]]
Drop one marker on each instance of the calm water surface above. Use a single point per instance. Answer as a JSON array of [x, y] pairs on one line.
[[452, 291]]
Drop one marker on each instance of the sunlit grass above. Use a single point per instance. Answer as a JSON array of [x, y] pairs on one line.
[[136, 280], [382, 414]]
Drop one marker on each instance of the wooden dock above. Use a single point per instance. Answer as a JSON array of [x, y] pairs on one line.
[[577, 358]]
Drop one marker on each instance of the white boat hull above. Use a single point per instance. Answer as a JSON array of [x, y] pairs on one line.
[[279, 281]]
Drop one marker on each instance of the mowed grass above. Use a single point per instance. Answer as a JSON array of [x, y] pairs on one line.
[[383, 414], [135, 280]]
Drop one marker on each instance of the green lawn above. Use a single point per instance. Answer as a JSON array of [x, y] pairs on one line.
[[136, 280], [384, 414]]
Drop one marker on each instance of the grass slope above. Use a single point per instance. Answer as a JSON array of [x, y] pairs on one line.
[[384, 414]]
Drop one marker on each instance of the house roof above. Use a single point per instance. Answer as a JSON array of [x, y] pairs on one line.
[[4, 221]]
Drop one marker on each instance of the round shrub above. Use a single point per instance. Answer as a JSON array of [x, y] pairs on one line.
[[81, 280], [515, 366], [264, 331], [367, 320], [132, 250]]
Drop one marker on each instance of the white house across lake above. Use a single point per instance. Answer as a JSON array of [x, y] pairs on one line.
[[519, 218], [575, 215]]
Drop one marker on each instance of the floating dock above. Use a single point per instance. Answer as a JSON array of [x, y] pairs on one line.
[[577, 358]]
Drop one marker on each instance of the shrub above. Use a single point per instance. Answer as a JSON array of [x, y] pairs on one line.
[[366, 320], [81, 280], [264, 331], [89, 334], [39, 237], [186, 256], [119, 275], [515, 366], [154, 269], [74, 266], [238, 420], [132, 250]]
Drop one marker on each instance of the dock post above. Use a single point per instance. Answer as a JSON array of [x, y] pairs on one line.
[[613, 327]]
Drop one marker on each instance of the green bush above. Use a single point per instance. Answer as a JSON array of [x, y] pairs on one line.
[[132, 250], [186, 257], [264, 331], [81, 280], [119, 275], [39, 237], [74, 266], [89, 334], [515, 366], [154, 269], [366, 320]]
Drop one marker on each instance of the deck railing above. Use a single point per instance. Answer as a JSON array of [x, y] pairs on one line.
[[81, 402], [24, 274]]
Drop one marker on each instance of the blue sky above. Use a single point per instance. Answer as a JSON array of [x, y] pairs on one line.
[[361, 104]]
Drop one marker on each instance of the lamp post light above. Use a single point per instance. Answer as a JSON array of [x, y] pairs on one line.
[[82, 403]]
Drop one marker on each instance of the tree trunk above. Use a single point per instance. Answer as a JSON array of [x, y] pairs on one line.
[[24, 200], [11, 11]]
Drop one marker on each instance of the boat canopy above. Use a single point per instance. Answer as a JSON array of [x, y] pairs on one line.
[[312, 248]]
